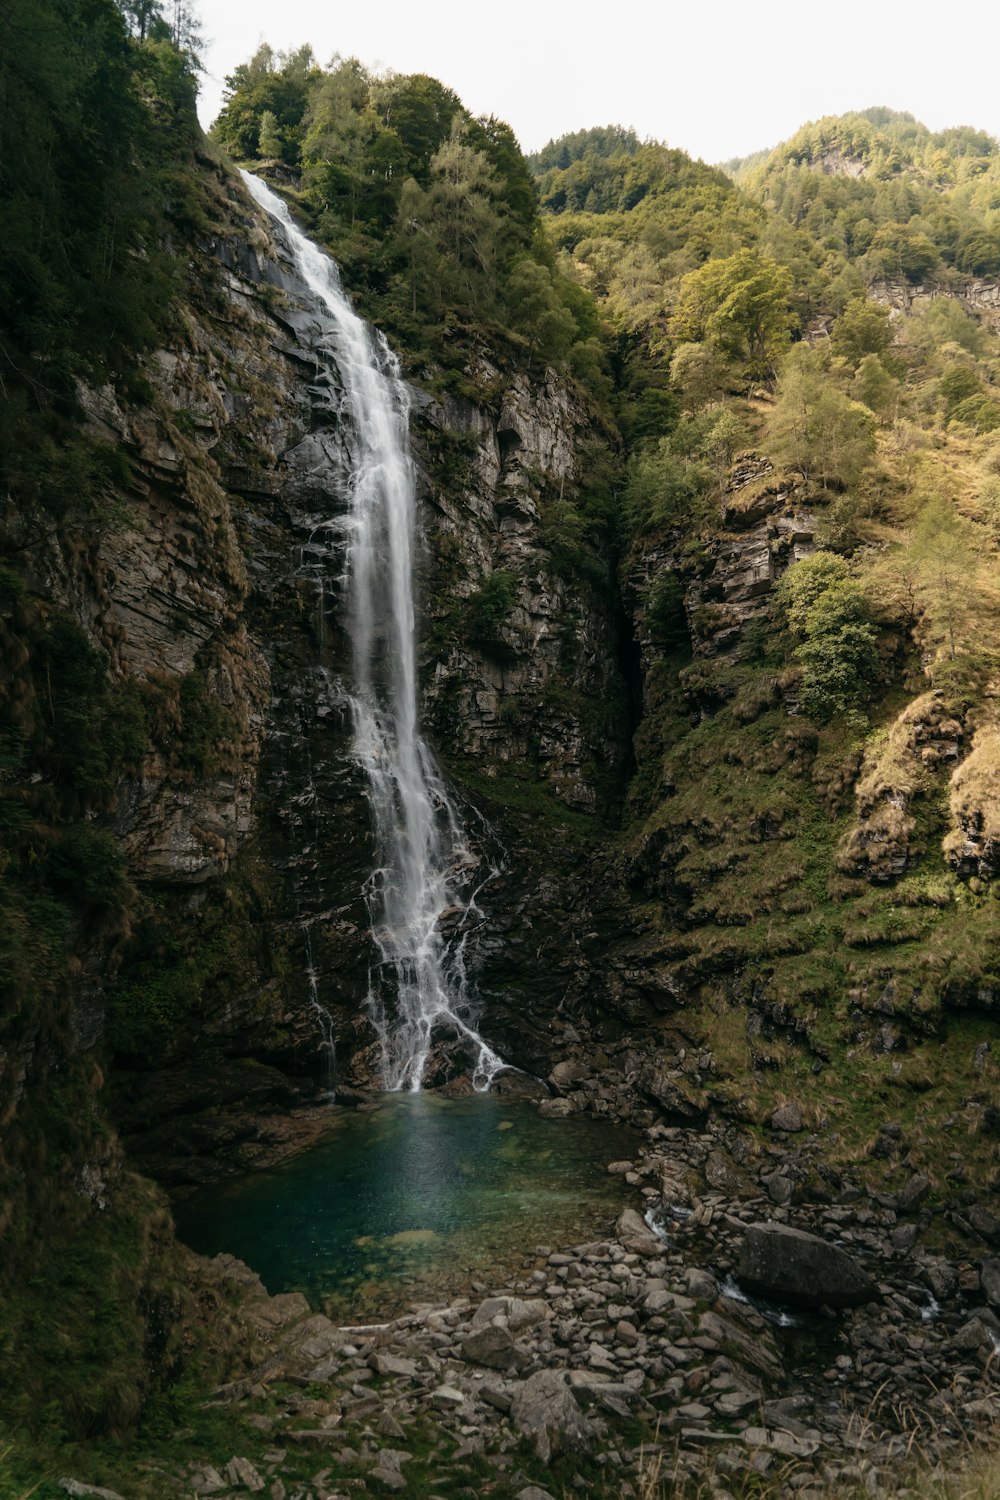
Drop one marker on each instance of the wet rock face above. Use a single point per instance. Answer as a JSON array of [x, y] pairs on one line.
[[801, 1269], [539, 684]]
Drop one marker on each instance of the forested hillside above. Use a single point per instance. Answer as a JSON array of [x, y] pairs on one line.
[[809, 534]]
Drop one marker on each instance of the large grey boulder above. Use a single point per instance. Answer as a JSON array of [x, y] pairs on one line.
[[989, 1278], [801, 1269], [493, 1347], [545, 1409]]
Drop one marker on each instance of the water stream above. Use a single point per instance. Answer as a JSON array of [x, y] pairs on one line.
[[424, 871]]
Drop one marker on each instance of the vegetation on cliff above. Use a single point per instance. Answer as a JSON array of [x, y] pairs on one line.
[[97, 137], [810, 538], [430, 213]]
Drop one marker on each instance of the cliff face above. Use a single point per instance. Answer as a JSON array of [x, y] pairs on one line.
[[979, 295], [215, 593], [540, 686]]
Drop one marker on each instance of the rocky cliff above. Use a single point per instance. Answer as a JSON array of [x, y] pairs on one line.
[[215, 595]]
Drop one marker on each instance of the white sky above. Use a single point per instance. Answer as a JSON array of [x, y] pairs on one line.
[[718, 80]]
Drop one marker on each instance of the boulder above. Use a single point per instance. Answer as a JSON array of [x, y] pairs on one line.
[[242, 1475], [779, 1188], [635, 1234], [984, 1222], [556, 1109], [545, 1409], [801, 1269], [914, 1193], [989, 1280], [788, 1117], [565, 1074], [493, 1347], [387, 1471], [982, 1331]]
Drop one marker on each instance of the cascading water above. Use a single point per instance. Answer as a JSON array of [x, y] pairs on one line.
[[424, 866]]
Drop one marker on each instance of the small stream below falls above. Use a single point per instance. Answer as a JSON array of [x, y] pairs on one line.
[[414, 1201]]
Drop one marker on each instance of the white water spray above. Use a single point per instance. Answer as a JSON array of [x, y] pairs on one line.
[[423, 862]]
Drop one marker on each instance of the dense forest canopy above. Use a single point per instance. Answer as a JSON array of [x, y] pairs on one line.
[[880, 189], [431, 213]]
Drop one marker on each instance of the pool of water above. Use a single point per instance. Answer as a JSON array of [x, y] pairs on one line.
[[414, 1201]]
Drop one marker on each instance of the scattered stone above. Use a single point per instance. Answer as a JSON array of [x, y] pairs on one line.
[[446, 1396], [205, 1480], [241, 1473], [776, 1440], [980, 1332], [700, 1285], [635, 1234], [525, 1313], [904, 1237], [983, 1222], [388, 1426], [391, 1364], [77, 1487], [722, 1173], [276, 1312], [387, 1470], [776, 1260], [989, 1280]]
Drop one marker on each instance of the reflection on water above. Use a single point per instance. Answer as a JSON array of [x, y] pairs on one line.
[[414, 1200]]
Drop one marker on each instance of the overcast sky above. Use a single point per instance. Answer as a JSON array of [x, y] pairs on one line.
[[719, 80]]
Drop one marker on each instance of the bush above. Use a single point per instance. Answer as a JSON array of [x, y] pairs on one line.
[[90, 864], [488, 610], [828, 612]]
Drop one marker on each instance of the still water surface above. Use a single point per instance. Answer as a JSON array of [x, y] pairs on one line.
[[414, 1201]]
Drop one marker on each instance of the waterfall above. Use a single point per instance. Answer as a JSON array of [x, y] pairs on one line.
[[417, 898]]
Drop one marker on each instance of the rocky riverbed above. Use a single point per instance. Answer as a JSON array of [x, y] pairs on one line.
[[639, 1362]]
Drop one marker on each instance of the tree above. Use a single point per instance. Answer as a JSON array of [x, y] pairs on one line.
[[276, 82], [836, 640], [140, 15], [466, 220], [874, 387], [724, 437], [535, 310], [697, 371], [269, 136], [901, 250], [815, 428], [945, 552], [420, 111], [741, 302], [663, 488], [862, 328]]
